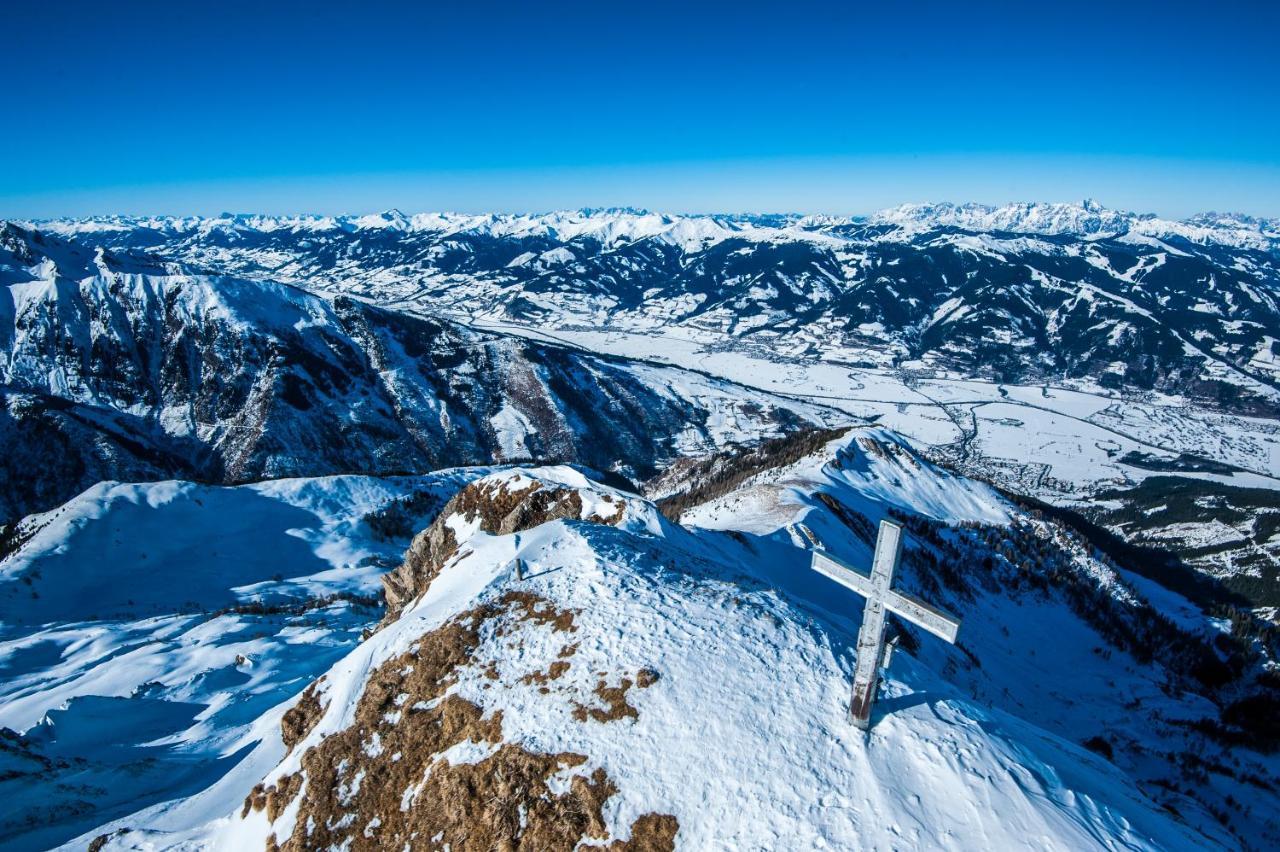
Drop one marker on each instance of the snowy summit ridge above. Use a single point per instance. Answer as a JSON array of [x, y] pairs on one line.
[[571, 702]]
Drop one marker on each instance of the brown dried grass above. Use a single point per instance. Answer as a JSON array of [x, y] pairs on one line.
[[353, 791], [301, 718]]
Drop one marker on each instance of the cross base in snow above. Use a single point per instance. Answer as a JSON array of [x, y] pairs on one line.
[[876, 588]]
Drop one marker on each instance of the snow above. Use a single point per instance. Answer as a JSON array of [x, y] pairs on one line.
[[1087, 219], [113, 650], [1052, 441], [760, 755], [112, 610], [513, 429], [877, 471], [556, 256], [750, 340], [612, 226]]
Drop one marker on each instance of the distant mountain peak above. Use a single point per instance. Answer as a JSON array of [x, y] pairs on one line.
[[614, 225]]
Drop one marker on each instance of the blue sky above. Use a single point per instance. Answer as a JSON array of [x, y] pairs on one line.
[[842, 107]]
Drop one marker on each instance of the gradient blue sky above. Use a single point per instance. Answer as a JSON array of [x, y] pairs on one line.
[[181, 107]]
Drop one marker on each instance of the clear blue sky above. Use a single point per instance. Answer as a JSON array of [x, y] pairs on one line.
[[185, 107]]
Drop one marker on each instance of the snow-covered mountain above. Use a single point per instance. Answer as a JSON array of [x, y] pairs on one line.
[[1088, 219], [115, 366], [614, 225], [330, 647], [1022, 293], [646, 685], [1061, 350], [144, 628]]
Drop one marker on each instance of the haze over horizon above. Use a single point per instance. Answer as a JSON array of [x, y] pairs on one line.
[[295, 108]]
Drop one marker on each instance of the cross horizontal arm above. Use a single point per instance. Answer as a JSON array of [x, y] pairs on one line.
[[941, 624], [843, 574]]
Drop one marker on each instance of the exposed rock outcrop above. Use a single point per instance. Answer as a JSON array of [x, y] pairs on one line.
[[303, 716], [498, 505]]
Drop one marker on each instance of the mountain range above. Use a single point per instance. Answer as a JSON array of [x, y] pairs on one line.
[[1062, 351], [1023, 293], [120, 367], [495, 531]]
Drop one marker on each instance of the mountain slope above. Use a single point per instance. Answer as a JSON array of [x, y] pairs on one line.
[[123, 367], [144, 629], [1025, 293], [651, 685]]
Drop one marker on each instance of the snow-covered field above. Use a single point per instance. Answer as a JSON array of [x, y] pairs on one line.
[[1055, 442]]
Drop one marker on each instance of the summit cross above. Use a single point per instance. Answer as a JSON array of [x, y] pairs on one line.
[[876, 588]]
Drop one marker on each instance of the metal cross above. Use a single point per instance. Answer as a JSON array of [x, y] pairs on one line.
[[880, 597]]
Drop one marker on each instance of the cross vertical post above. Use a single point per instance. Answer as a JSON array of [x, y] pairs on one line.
[[866, 676], [881, 598]]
